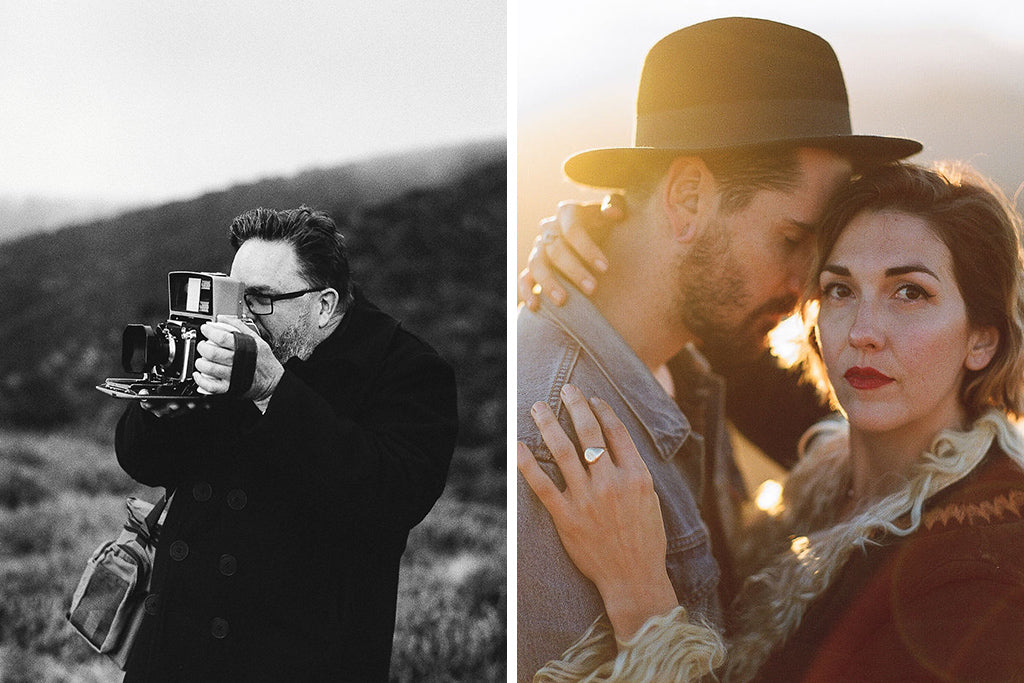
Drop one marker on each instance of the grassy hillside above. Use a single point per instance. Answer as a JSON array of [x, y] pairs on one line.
[[60, 497]]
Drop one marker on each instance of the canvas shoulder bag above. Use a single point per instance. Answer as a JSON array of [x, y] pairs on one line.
[[107, 606]]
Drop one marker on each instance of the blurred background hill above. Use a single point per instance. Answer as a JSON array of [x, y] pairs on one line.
[[21, 215]]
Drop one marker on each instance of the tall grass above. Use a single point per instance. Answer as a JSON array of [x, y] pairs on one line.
[[61, 495]]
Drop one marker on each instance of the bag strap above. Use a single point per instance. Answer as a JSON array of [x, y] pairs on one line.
[[156, 516]]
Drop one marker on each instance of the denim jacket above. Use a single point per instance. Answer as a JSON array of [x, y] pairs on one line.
[[575, 344]]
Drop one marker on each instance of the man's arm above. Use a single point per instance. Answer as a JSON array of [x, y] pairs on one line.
[[160, 442], [380, 458], [159, 451]]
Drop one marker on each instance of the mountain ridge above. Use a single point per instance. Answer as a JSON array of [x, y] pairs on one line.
[[431, 253], [374, 178]]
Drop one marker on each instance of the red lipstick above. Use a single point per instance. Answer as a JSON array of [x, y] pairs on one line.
[[866, 378]]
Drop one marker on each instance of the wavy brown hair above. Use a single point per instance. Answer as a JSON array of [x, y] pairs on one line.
[[981, 229]]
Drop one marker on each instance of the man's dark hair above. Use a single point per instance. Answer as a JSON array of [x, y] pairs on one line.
[[740, 174], [319, 247]]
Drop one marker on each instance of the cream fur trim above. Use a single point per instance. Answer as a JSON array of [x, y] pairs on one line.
[[668, 648], [775, 598], [789, 574]]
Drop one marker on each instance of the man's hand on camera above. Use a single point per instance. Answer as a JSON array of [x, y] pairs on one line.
[[217, 353]]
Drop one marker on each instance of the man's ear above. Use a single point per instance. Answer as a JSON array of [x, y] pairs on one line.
[[329, 300], [687, 195], [983, 344]]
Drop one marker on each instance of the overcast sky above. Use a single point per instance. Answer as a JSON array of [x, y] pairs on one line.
[[131, 100]]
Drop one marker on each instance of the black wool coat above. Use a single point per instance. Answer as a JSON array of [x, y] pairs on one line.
[[279, 557]]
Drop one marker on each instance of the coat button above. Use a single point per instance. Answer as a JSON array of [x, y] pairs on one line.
[[202, 491], [237, 499], [152, 603], [228, 565], [219, 627], [179, 550]]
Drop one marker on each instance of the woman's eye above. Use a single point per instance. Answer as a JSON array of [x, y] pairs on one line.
[[836, 290], [911, 292]]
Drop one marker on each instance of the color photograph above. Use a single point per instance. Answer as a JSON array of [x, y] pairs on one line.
[[768, 342]]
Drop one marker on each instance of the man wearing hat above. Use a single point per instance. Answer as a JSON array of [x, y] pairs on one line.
[[742, 135]]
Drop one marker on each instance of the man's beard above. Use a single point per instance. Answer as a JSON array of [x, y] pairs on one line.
[[714, 301], [295, 341]]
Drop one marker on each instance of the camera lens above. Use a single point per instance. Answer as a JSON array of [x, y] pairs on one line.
[[142, 348]]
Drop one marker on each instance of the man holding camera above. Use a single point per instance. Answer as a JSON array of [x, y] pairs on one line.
[[292, 501]]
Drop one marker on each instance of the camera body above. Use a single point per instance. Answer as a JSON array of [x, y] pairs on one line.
[[166, 355]]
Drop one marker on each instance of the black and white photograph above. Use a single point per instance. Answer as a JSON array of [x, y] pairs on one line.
[[253, 309]]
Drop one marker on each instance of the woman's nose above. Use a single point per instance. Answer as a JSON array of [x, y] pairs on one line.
[[867, 330]]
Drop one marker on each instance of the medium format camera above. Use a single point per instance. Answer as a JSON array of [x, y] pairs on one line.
[[166, 356]]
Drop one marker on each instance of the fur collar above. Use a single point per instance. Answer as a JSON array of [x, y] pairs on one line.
[[802, 551]]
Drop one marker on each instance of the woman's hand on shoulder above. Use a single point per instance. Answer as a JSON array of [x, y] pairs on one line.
[[566, 244], [608, 518]]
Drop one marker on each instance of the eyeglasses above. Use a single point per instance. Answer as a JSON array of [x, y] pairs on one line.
[[263, 304]]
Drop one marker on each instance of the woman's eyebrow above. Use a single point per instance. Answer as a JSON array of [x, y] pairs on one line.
[[903, 270], [895, 271], [838, 270]]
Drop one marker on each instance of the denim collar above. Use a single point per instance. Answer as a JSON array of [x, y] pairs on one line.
[[626, 373]]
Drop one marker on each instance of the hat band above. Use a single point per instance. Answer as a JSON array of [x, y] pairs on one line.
[[744, 123]]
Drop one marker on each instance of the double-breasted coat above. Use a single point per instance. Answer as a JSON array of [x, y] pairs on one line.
[[280, 553]]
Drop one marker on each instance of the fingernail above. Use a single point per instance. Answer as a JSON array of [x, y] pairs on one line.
[[588, 285], [536, 407], [558, 296], [601, 264], [570, 392]]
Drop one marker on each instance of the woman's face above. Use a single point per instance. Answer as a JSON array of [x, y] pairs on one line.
[[893, 326]]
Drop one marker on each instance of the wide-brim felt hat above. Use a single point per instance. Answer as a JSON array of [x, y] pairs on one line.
[[735, 84]]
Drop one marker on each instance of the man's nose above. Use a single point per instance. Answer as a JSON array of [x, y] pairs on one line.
[[799, 272], [796, 280]]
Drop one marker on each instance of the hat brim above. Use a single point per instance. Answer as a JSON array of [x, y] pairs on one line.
[[620, 167]]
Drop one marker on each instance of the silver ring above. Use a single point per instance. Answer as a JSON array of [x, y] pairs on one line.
[[549, 233], [591, 455]]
